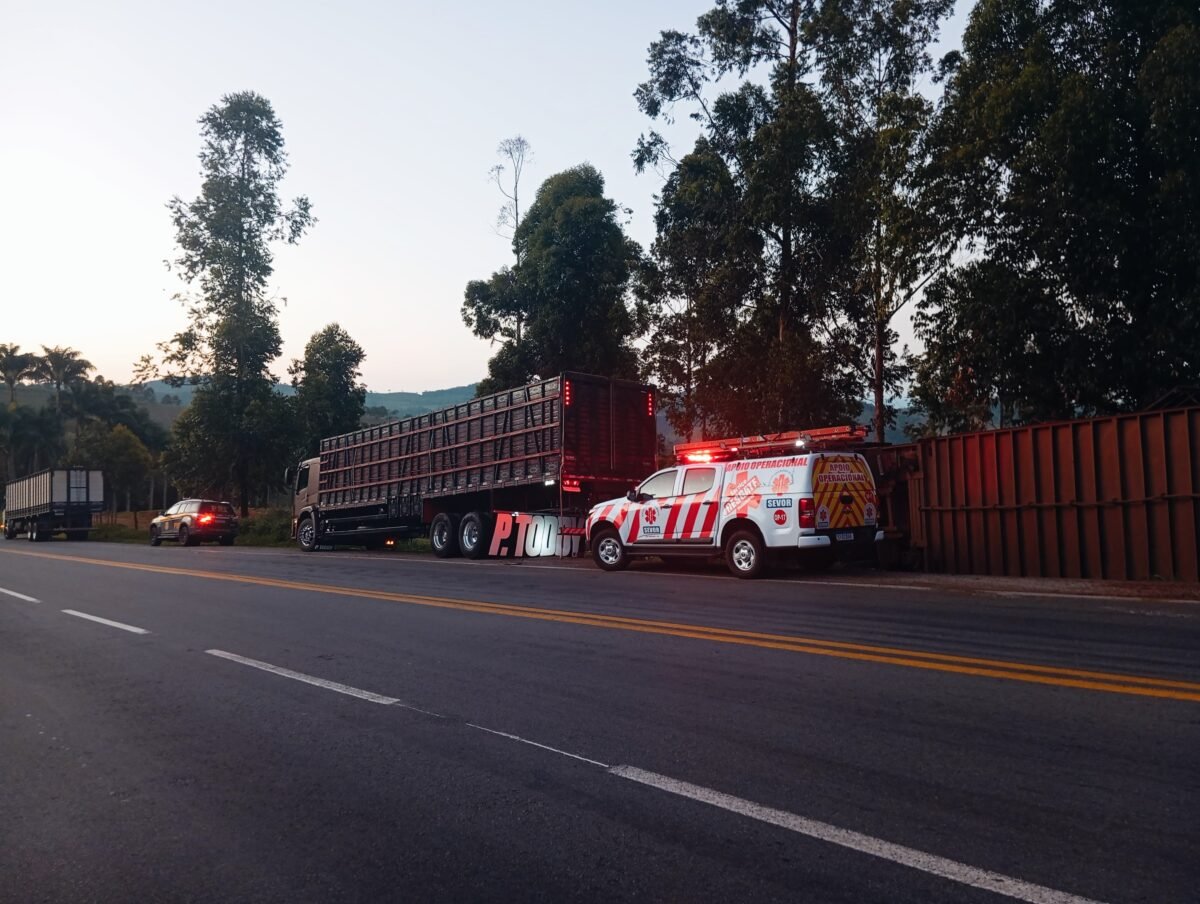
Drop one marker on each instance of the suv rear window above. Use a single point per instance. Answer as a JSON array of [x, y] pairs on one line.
[[216, 508]]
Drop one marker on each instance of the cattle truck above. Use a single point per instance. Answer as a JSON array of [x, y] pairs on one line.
[[511, 474], [61, 500]]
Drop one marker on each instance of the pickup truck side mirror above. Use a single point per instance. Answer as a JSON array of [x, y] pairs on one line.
[[632, 496]]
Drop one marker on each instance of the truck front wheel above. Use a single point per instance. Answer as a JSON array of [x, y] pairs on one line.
[[443, 535], [608, 551], [306, 534], [744, 554]]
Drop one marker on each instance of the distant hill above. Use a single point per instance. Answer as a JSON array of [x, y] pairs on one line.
[[406, 404], [894, 433], [398, 404], [163, 410]]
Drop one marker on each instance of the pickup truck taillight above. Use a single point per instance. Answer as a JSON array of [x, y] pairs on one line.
[[808, 517]]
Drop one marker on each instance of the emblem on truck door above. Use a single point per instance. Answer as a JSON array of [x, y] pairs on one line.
[[743, 495]]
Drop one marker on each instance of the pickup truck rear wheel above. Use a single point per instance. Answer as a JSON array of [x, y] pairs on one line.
[[744, 554], [443, 535], [608, 551]]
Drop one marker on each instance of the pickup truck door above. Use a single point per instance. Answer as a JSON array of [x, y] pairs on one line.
[[696, 510], [646, 520]]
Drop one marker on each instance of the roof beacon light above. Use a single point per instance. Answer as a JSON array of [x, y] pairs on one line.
[[768, 444]]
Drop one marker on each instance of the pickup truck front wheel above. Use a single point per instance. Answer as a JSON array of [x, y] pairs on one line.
[[608, 551]]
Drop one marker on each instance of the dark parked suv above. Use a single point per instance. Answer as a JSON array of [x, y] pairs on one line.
[[194, 521]]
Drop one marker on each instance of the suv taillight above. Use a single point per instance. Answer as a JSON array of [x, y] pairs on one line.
[[808, 517]]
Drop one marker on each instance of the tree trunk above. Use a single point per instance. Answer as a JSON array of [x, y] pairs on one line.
[[243, 470], [880, 414]]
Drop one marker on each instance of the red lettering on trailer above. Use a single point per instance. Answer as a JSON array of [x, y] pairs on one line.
[[504, 526]]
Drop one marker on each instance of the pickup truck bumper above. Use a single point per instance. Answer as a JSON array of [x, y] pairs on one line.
[[823, 542], [814, 543]]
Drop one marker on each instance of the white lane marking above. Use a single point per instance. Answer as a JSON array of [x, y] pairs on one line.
[[861, 584], [104, 621], [20, 596], [513, 737], [308, 679], [1054, 594], [855, 841]]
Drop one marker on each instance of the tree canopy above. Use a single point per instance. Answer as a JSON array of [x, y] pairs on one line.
[[750, 256], [1067, 175], [329, 400], [571, 288], [225, 238]]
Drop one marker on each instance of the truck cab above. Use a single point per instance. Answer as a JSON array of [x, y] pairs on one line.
[[304, 499], [741, 499]]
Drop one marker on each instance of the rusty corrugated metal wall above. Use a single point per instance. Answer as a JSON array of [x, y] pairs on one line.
[[1115, 497]]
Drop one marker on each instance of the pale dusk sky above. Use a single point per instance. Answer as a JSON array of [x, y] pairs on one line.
[[391, 114]]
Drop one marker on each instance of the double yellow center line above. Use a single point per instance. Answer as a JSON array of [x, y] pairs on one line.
[[1108, 682]]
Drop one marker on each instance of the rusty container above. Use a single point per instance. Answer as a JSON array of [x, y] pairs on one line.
[[1112, 497]]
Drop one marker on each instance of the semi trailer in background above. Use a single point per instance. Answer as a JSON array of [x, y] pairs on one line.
[[509, 474], [60, 500]]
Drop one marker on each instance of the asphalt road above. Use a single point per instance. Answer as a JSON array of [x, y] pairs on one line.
[[352, 727]]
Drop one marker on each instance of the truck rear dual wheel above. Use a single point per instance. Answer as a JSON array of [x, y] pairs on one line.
[[474, 535], [443, 535]]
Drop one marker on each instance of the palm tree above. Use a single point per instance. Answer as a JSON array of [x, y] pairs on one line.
[[15, 367], [62, 367]]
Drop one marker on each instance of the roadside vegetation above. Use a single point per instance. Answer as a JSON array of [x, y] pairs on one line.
[[1030, 198]]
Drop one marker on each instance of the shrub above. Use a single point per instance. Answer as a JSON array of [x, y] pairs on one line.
[[270, 527], [118, 533]]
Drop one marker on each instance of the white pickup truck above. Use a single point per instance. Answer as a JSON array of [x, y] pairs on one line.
[[742, 499]]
